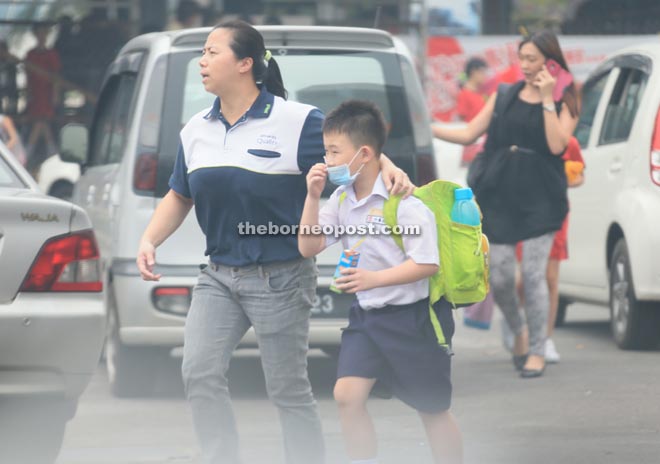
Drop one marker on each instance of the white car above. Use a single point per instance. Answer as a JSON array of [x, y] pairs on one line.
[[151, 90], [52, 314], [57, 178], [614, 225]]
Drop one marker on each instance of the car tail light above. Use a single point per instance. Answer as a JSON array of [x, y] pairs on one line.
[[174, 300], [146, 170], [655, 151], [425, 169], [68, 263]]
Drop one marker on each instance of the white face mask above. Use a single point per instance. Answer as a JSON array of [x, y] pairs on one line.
[[341, 175]]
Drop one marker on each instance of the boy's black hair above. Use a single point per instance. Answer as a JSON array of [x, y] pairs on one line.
[[474, 64], [361, 121]]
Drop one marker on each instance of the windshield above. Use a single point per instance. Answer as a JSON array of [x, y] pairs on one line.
[[320, 78]]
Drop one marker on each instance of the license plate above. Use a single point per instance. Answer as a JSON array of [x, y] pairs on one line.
[[331, 305]]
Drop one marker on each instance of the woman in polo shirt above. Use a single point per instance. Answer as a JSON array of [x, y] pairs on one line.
[[244, 161]]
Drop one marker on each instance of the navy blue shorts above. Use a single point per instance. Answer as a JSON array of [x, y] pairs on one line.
[[398, 346]]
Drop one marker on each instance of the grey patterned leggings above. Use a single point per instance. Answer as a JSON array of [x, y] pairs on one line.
[[535, 287]]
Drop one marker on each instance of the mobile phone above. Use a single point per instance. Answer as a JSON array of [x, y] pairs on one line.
[[562, 78]]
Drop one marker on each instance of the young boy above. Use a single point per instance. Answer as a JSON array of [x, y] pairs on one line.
[[390, 337]]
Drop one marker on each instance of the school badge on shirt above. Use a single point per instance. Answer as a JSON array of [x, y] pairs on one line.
[[375, 216]]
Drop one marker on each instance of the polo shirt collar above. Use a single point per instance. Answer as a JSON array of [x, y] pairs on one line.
[[261, 108]]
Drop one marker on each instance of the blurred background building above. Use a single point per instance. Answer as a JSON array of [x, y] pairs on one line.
[[86, 34]]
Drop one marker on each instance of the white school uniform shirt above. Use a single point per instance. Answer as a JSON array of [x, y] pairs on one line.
[[378, 252]]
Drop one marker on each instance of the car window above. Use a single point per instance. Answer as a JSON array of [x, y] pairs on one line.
[[622, 107], [320, 78], [112, 121], [101, 132], [591, 95], [8, 177], [122, 118]]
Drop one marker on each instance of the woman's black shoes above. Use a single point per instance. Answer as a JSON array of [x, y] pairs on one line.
[[531, 373], [519, 361]]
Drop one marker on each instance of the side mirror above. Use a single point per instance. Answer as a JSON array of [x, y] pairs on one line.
[[74, 142]]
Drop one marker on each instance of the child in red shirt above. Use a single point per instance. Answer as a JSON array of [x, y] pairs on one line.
[[471, 98]]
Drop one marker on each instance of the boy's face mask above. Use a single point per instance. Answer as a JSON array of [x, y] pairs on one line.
[[341, 175]]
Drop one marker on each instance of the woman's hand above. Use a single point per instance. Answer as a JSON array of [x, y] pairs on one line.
[[146, 259], [396, 180], [545, 83], [355, 279], [316, 178]]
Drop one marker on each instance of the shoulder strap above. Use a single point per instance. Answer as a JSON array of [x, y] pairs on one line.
[[500, 98], [390, 208]]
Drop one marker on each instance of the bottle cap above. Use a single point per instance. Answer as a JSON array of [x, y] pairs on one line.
[[463, 194]]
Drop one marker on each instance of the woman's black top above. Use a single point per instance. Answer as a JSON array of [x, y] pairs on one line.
[[522, 193]]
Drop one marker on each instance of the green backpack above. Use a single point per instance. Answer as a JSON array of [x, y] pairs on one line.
[[462, 278]]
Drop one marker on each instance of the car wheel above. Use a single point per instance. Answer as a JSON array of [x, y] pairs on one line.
[[61, 189], [561, 312], [32, 429], [635, 325], [130, 369]]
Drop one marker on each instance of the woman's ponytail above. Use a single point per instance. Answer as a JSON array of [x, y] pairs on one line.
[[273, 80]]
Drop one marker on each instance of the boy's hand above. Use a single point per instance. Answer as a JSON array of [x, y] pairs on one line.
[[355, 279], [316, 178]]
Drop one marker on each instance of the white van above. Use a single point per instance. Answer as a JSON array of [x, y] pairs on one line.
[[614, 225], [150, 92]]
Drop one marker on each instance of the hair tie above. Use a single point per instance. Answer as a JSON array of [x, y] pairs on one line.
[[267, 56]]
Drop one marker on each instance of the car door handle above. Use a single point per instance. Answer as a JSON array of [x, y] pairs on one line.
[[106, 192], [90, 194], [616, 166]]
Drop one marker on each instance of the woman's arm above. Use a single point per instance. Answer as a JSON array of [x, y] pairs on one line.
[[396, 180], [558, 128], [475, 128], [167, 218]]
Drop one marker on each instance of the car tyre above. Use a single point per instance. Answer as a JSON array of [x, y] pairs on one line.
[[131, 369], [635, 325], [61, 189]]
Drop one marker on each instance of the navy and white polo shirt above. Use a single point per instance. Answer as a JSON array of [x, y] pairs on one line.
[[252, 172]]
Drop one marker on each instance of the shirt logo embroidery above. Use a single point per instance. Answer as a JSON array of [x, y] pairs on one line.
[[265, 139]]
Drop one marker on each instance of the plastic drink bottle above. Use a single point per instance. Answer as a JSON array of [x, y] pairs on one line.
[[465, 210], [349, 258]]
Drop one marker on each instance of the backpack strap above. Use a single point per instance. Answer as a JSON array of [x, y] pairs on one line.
[[390, 208]]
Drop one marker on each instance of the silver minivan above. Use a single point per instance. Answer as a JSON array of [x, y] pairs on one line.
[[150, 91]]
